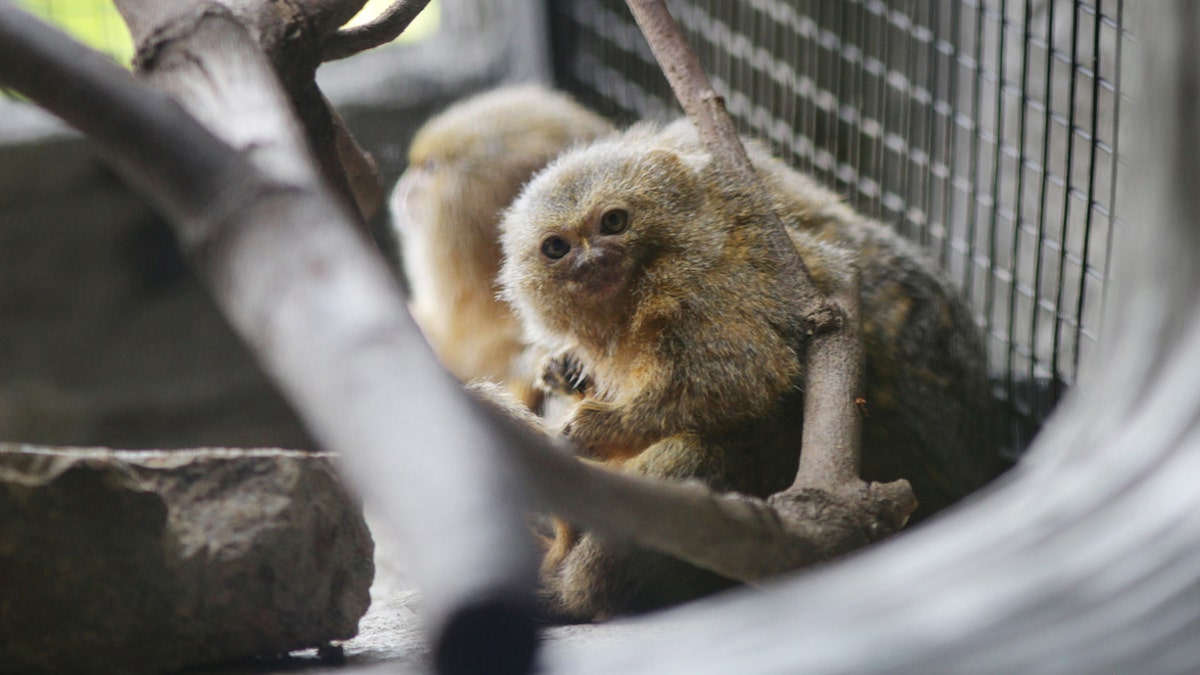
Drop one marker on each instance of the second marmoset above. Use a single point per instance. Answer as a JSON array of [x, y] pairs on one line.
[[465, 166], [649, 279]]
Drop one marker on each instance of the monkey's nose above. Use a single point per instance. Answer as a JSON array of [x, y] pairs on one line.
[[596, 271]]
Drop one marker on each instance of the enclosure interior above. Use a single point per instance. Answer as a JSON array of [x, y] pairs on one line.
[[986, 130]]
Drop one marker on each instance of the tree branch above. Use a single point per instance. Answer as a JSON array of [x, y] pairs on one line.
[[736, 536], [359, 167], [706, 110], [832, 388], [290, 35], [387, 27]]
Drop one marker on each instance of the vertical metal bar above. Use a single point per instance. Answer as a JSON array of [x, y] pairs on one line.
[[1091, 190], [769, 30], [790, 91], [881, 164], [950, 155], [973, 203], [610, 53], [904, 124], [850, 93], [810, 64], [1043, 192], [1116, 163], [931, 83], [997, 163], [865, 107], [1014, 290], [835, 77], [1056, 366], [746, 73]]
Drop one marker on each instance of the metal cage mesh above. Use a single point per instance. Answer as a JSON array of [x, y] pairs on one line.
[[984, 129]]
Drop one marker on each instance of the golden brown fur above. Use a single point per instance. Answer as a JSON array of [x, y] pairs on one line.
[[465, 166], [650, 281]]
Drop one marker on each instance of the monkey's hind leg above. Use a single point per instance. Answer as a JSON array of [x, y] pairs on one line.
[[588, 578]]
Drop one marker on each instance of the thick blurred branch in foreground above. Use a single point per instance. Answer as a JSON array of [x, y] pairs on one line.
[[297, 279]]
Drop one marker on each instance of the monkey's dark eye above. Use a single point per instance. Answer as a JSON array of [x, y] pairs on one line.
[[614, 221], [555, 247]]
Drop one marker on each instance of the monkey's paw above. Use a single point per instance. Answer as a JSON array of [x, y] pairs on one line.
[[564, 373], [593, 422]]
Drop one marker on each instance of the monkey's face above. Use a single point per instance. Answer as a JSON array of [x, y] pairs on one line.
[[451, 190], [586, 237], [591, 260], [578, 275]]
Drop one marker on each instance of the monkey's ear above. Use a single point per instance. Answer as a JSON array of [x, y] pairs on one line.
[[674, 165], [674, 178]]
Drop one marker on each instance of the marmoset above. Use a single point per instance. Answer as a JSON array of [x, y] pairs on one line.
[[648, 278], [465, 166]]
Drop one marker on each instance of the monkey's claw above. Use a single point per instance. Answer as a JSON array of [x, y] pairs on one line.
[[565, 374]]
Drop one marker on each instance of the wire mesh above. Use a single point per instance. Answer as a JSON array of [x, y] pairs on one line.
[[984, 129]]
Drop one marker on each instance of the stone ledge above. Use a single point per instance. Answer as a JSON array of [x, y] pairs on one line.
[[126, 561]]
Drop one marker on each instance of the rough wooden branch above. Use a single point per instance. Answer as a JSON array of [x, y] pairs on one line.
[[833, 387], [290, 34], [387, 27], [359, 167], [733, 535], [706, 110], [314, 301]]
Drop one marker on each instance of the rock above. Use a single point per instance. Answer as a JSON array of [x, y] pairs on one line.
[[129, 562]]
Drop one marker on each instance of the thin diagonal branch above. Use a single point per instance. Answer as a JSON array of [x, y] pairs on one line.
[[834, 360], [387, 27], [706, 110]]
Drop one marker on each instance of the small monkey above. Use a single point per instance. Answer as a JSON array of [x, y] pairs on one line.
[[465, 166], [647, 278]]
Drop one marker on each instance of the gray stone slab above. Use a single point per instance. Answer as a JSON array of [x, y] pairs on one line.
[[127, 562]]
